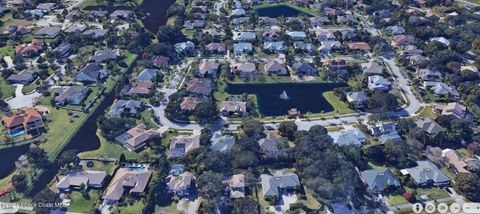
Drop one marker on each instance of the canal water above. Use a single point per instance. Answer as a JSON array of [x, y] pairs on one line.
[[8, 158], [276, 99]]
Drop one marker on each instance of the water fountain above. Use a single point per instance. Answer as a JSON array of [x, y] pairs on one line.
[[284, 95]]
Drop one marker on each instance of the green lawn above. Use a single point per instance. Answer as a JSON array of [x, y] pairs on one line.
[[338, 105], [311, 202], [396, 200], [82, 205], [7, 50], [29, 88], [7, 89], [108, 167], [147, 118], [428, 112], [134, 208], [109, 150]]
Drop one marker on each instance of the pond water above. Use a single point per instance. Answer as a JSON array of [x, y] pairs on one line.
[[306, 97], [157, 10], [276, 11], [9, 156]]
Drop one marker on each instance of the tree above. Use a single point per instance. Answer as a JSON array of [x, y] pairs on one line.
[[287, 129], [205, 136], [170, 34], [20, 183], [112, 127], [45, 197], [476, 45], [68, 157], [38, 157], [252, 128], [246, 205], [210, 186], [382, 102], [206, 112], [400, 154], [469, 185]]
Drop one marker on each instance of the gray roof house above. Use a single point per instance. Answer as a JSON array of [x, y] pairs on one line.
[[23, 77], [215, 47], [47, 33], [147, 75], [242, 48], [378, 179], [184, 47], [63, 49], [207, 68], [103, 56], [427, 173], [244, 36], [120, 14], [269, 144], [75, 28], [46, 6], [95, 33], [302, 69], [396, 30], [429, 126], [70, 95], [358, 99], [274, 185], [91, 73], [275, 67], [273, 47], [371, 68], [73, 179], [125, 107], [348, 136], [297, 35], [378, 83], [222, 143]]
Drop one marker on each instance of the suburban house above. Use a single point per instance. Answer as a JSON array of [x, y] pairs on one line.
[[246, 70], [91, 73], [274, 67], [201, 86], [147, 75], [378, 83], [319, 21], [429, 126], [190, 103], [304, 69], [30, 49], [274, 186], [181, 185], [120, 14], [236, 185], [27, 120], [70, 95], [160, 61], [23, 77], [233, 108], [74, 179], [125, 108], [136, 138], [273, 47], [126, 181], [348, 136], [103, 56], [243, 36], [18, 30], [455, 161], [396, 30], [357, 99], [47, 33], [139, 88], [336, 64], [181, 145], [385, 132], [216, 47], [326, 47], [63, 49], [46, 7], [325, 35], [400, 40], [359, 46], [222, 143], [76, 28], [429, 75], [371, 68], [297, 35], [95, 33], [207, 68], [242, 48], [378, 180], [427, 173], [441, 89], [441, 39], [458, 111], [269, 144]]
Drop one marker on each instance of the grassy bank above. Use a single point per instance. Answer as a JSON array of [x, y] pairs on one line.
[[109, 150], [306, 10]]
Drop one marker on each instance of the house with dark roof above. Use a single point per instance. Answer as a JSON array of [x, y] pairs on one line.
[[304, 69], [216, 47], [95, 33], [91, 73], [103, 56], [458, 111], [274, 67], [23, 77], [379, 179], [47, 33], [274, 186], [126, 181], [74, 179], [233, 108], [136, 138], [160, 61], [63, 49], [125, 108], [70, 95], [426, 174]]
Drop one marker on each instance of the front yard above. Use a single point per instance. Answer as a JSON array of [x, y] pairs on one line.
[[84, 205]]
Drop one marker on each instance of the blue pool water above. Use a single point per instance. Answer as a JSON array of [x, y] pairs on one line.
[[17, 133], [137, 168]]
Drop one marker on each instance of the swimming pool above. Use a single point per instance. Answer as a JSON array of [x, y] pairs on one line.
[[16, 133]]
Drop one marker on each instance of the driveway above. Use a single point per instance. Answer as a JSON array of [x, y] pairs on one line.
[[21, 100]]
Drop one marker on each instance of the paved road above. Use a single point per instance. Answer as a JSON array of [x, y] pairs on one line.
[[21, 100], [468, 3]]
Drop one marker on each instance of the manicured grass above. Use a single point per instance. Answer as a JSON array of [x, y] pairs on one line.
[[311, 202], [82, 205], [374, 166], [432, 193], [29, 88], [7, 50], [396, 200], [338, 105], [464, 152], [108, 167], [109, 150], [172, 209], [302, 9], [171, 20], [134, 208], [428, 112], [147, 118], [7, 89]]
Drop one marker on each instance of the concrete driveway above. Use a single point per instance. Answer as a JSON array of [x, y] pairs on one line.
[[21, 100]]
